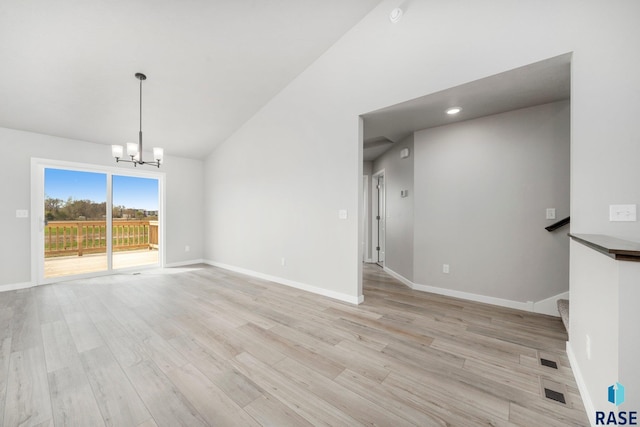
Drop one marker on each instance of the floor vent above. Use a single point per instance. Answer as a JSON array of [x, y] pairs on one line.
[[548, 363], [553, 390], [554, 395]]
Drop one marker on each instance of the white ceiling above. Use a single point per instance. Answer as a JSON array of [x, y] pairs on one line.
[[67, 66], [534, 84]]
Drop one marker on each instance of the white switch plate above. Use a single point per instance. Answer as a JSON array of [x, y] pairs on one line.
[[342, 214], [22, 213], [551, 213], [622, 212], [445, 268]]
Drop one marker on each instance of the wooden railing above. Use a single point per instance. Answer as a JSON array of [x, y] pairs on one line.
[[64, 238]]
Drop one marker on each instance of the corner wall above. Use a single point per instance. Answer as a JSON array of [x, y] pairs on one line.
[[482, 189]]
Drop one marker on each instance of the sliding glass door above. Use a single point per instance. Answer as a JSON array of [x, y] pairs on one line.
[[135, 221], [75, 211], [92, 222]]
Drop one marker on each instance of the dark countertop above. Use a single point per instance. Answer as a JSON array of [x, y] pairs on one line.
[[618, 249]]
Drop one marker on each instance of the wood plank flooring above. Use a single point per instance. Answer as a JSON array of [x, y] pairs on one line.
[[203, 346]]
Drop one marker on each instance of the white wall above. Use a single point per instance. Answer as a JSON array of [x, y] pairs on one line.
[[594, 312], [184, 189], [263, 202], [604, 299], [629, 345], [398, 175], [481, 191], [261, 191]]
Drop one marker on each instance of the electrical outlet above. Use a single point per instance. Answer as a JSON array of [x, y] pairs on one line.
[[187, 248], [551, 213], [445, 268], [622, 212]]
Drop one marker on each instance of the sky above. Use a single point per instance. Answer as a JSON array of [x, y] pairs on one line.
[[128, 191]]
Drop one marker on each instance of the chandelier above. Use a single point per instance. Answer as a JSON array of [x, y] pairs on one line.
[[134, 151]]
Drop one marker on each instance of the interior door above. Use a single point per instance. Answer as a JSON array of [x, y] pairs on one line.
[[381, 218], [365, 213]]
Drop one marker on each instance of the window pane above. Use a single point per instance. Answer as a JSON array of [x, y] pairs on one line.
[[135, 221], [75, 240]]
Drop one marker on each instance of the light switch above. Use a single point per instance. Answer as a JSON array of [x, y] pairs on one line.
[[622, 212], [551, 213], [342, 214], [22, 213]]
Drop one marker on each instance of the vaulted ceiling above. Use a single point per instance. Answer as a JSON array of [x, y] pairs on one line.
[[67, 66]]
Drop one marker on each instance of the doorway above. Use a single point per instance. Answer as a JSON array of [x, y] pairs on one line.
[[91, 221]]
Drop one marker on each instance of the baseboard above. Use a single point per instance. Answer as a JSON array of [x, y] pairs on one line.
[[547, 306], [399, 277], [550, 305], [16, 286], [582, 387], [298, 285], [526, 306], [185, 263]]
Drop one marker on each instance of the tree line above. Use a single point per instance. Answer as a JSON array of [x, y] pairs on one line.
[[70, 209]]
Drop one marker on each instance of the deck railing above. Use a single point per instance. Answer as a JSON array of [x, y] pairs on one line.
[[65, 238]]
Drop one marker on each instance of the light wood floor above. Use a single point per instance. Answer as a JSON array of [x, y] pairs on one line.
[[204, 346]]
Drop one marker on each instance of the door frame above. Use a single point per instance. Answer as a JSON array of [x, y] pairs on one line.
[[365, 219], [375, 224], [38, 165]]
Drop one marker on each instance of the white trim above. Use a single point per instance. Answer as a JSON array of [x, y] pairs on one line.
[[526, 306], [298, 285], [549, 306], [185, 263], [15, 286], [541, 307], [399, 277], [582, 386]]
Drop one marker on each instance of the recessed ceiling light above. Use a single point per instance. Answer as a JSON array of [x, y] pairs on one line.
[[395, 15], [453, 110]]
